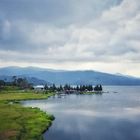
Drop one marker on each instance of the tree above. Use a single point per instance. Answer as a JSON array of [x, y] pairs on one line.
[[14, 78], [46, 87], [77, 88], [98, 88], [89, 88], [2, 84], [61, 88], [22, 83], [81, 88], [67, 87], [52, 88]]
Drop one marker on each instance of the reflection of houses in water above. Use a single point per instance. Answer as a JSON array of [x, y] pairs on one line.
[[67, 92]]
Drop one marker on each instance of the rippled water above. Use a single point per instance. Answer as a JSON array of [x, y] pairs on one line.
[[110, 116]]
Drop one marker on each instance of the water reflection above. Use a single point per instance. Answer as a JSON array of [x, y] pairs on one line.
[[111, 116]]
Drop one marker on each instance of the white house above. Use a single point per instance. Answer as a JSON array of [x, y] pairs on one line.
[[39, 87]]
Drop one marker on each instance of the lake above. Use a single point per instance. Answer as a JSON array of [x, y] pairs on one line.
[[114, 115]]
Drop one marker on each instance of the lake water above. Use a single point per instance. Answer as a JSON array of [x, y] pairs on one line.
[[110, 116]]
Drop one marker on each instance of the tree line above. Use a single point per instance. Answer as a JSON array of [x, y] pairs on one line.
[[68, 87], [22, 83]]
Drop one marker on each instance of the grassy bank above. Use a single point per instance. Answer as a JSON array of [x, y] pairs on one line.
[[24, 123], [23, 96]]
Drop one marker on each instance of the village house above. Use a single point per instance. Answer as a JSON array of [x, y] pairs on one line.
[[39, 87]]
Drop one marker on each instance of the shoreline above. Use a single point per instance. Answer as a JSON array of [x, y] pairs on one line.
[[36, 126], [22, 122]]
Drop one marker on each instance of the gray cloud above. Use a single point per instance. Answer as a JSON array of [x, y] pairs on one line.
[[70, 32], [54, 11]]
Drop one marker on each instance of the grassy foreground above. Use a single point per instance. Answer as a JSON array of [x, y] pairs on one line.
[[22, 123]]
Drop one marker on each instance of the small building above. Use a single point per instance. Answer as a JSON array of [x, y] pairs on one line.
[[39, 87]]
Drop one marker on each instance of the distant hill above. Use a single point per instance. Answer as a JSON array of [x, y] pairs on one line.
[[71, 77], [32, 80]]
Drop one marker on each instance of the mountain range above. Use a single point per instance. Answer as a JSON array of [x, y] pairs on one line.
[[70, 77]]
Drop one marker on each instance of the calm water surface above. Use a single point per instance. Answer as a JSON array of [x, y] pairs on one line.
[[110, 116]]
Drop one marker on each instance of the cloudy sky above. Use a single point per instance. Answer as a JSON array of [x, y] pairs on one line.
[[101, 35]]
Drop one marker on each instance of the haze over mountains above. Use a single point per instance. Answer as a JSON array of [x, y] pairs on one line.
[[40, 76]]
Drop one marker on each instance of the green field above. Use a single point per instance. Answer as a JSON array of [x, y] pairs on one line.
[[23, 96], [22, 123]]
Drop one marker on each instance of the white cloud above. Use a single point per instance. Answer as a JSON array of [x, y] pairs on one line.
[[107, 42]]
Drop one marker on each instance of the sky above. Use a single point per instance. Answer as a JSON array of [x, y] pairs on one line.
[[102, 35]]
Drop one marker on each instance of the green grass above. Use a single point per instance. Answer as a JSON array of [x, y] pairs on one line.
[[23, 96], [17, 122], [22, 123]]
